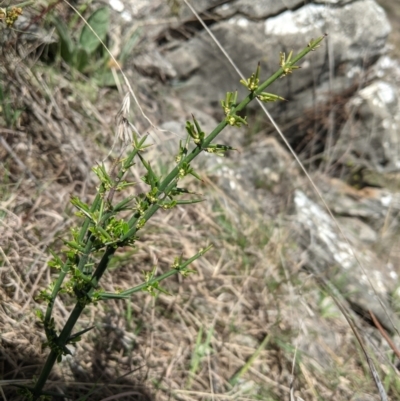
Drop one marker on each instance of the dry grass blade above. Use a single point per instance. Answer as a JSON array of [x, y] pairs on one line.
[[327, 286], [384, 334], [17, 159]]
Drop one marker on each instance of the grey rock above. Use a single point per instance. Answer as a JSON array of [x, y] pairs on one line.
[[256, 10], [259, 182], [258, 179], [200, 6], [357, 33], [330, 256], [153, 63], [373, 127], [333, 2], [356, 229]]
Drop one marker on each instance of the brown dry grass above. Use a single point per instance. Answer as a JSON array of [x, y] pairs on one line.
[[248, 287]]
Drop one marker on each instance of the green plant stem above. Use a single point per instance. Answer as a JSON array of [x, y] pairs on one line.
[[160, 278], [165, 187], [311, 47], [24, 4], [52, 358], [65, 267], [127, 163], [250, 362], [79, 307], [66, 332], [69, 325], [149, 212], [217, 130], [102, 266]]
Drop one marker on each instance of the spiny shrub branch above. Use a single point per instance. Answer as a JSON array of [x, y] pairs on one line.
[[104, 231]]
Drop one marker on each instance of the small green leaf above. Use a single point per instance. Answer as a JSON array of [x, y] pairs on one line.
[[81, 59], [194, 174], [83, 208], [229, 102], [56, 262], [104, 177], [179, 191], [129, 45], [252, 83], [188, 201], [74, 245], [99, 21], [269, 97], [66, 44], [123, 205], [77, 336], [39, 314], [106, 296], [150, 178], [218, 149]]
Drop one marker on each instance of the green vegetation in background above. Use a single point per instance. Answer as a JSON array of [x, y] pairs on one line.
[[84, 53], [8, 115], [79, 53]]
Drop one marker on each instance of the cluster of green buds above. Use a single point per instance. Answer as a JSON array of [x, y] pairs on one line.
[[252, 84], [177, 265], [218, 149], [286, 63], [269, 97], [183, 150], [10, 15], [194, 130], [52, 338], [228, 105], [151, 286], [312, 45], [186, 169], [197, 134]]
